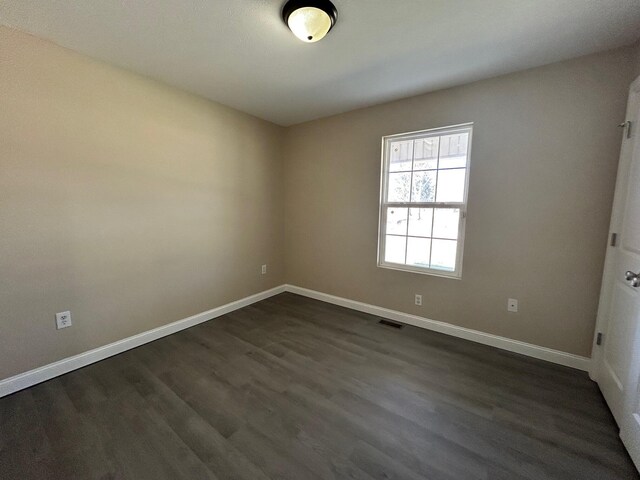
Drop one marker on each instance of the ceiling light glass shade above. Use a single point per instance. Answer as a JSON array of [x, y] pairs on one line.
[[309, 20], [309, 24]]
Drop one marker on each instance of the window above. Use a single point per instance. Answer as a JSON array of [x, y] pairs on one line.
[[423, 200]]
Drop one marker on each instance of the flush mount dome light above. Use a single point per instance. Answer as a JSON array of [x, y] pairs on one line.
[[309, 20]]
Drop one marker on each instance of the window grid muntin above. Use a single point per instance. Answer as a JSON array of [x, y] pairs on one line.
[[435, 197], [413, 159]]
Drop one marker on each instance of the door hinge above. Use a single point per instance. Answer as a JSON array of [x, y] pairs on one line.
[[628, 124], [614, 239], [599, 338]]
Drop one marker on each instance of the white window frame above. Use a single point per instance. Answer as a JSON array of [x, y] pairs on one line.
[[384, 181]]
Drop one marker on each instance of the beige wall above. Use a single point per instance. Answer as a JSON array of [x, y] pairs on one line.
[[636, 56], [123, 200], [543, 168], [133, 204]]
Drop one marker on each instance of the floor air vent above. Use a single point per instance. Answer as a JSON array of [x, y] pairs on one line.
[[390, 323]]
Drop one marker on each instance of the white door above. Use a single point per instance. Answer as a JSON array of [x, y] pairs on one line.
[[617, 358]]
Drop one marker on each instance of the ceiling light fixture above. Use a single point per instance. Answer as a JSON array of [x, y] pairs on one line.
[[309, 20]]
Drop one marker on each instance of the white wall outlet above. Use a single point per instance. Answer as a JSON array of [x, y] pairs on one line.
[[418, 299], [512, 305], [264, 269], [63, 320]]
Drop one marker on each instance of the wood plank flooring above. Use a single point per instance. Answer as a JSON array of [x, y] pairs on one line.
[[293, 388]]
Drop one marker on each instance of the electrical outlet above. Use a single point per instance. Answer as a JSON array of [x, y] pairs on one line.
[[512, 305], [264, 269], [63, 320], [418, 299]]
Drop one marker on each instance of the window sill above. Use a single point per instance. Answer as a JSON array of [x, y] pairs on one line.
[[421, 271]]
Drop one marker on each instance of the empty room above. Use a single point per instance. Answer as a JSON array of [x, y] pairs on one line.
[[313, 239]]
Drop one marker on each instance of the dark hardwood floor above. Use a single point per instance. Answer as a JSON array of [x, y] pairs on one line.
[[293, 388]]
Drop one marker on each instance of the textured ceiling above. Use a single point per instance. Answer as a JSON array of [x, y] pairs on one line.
[[239, 52]]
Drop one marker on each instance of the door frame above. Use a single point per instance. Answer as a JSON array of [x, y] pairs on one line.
[[615, 226]]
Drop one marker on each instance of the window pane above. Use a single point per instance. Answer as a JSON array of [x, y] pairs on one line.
[[397, 221], [394, 249], [399, 186], [445, 222], [451, 185], [418, 251], [423, 186], [401, 156], [426, 153], [453, 150], [443, 254], [420, 221]]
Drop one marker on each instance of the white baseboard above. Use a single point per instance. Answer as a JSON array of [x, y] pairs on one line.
[[47, 372], [528, 349], [41, 374]]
